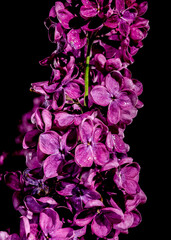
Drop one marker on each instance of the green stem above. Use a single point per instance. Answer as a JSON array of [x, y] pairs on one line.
[[87, 70]]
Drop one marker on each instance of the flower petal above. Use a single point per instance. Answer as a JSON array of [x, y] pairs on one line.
[[24, 227], [76, 38], [100, 96], [113, 114], [126, 223], [112, 85], [100, 153], [49, 221], [63, 119], [88, 11], [63, 15], [50, 166], [114, 215], [83, 155], [73, 90], [65, 188], [62, 234], [33, 205], [120, 5], [86, 130], [84, 217], [101, 226], [49, 142]]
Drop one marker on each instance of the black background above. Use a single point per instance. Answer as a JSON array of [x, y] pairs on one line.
[[24, 42]]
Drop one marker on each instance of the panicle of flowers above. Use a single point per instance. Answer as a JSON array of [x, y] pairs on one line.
[[80, 182]]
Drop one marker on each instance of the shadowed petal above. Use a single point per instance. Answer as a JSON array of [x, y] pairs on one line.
[[50, 166], [49, 221], [84, 217], [101, 226]]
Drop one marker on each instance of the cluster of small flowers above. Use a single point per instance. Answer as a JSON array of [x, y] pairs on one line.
[[80, 182]]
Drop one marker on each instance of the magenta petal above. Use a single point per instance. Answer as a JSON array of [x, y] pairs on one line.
[[94, 203], [131, 170], [124, 28], [65, 188], [14, 180], [113, 64], [63, 15], [83, 155], [50, 201], [30, 139], [101, 226], [120, 5], [76, 38], [142, 8], [114, 215], [119, 144], [136, 34], [112, 21], [86, 130], [126, 223], [88, 11], [62, 234], [80, 232], [50, 166], [84, 217], [97, 133], [113, 113], [63, 119], [49, 221], [131, 186], [137, 218], [33, 205], [73, 90], [112, 85], [100, 96], [100, 61], [69, 139], [49, 142], [100, 153], [24, 227]]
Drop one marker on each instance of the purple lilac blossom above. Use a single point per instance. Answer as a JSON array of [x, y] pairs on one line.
[[80, 182]]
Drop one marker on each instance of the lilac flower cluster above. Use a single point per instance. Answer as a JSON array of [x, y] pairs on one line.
[[80, 182]]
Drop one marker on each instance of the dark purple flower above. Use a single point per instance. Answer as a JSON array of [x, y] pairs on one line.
[[91, 150], [78, 195], [102, 218], [51, 143], [121, 102], [51, 225], [127, 178]]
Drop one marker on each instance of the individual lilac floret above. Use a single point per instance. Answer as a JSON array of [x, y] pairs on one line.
[[121, 102], [92, 149]]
